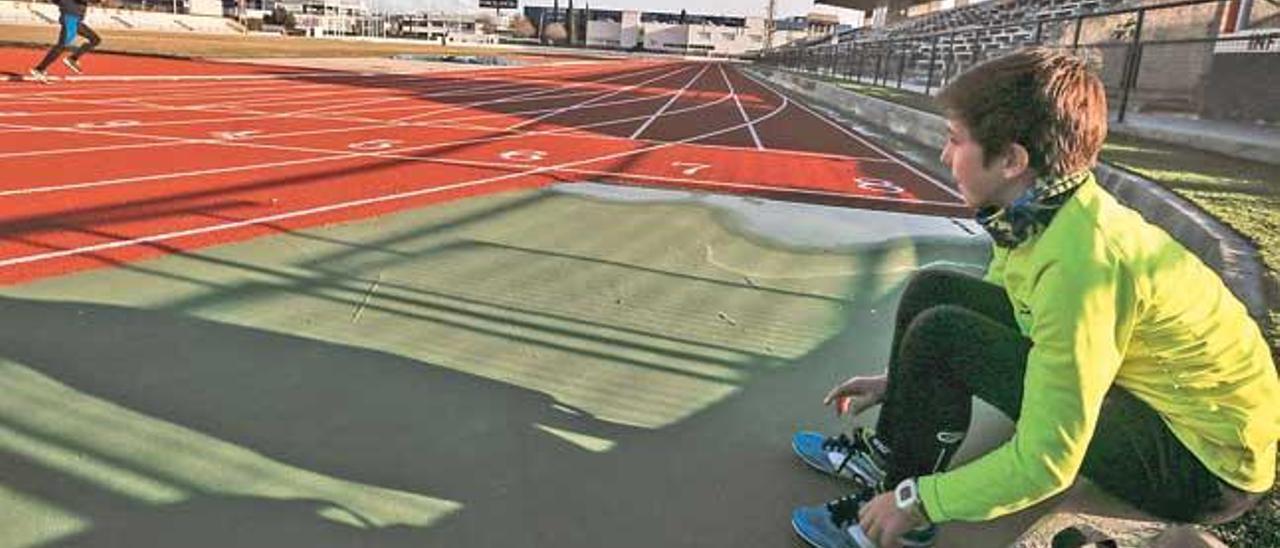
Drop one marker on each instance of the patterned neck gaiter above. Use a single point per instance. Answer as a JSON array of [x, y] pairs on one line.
[[1031, 212]]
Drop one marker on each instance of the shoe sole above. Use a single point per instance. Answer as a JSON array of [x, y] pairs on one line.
[[796, 527], [796, 449], [815, 544]]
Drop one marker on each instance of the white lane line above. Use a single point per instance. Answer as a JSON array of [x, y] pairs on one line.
[[222, 87], [536, 93], [468, 89], [262, 146], [259, 114], [448, 124], [588, 102], [449, 87], [868, 143], [26, 259], [509, 165], [28, 114], [328, 88], [216, 89], [671, 101], [85, 150], [246, 142], [738, 100], [753, 186], [371, 123], [570, 132]]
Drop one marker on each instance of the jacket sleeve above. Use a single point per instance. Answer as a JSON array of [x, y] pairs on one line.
[[1082, 313]]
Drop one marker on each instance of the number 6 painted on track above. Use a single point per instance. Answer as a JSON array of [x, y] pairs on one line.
[[690, 168], [524, 155], [107, 124], [376, 144], [879, 185]]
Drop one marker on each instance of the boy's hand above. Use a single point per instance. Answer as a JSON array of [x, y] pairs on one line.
[[858, 393], [885, 523]]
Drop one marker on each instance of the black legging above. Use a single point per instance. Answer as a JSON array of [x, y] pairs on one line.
[[83, 30], [955, 338]]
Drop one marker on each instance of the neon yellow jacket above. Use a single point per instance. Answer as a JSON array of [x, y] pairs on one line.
[[1106, 297]]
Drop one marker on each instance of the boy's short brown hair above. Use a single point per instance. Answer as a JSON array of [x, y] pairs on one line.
[[1047, 101]]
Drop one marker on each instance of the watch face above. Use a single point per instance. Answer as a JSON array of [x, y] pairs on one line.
[[905, 494]]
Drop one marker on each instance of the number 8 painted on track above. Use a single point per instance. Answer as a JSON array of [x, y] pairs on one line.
[[524, 155], [376, 144], [879, 185]]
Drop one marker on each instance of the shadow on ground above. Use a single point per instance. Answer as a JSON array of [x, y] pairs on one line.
[[157, 421]]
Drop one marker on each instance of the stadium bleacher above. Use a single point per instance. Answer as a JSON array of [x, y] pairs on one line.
[[45, 13], [946, 41]]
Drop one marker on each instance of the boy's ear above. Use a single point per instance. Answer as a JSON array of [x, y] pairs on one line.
[[1015, 161]]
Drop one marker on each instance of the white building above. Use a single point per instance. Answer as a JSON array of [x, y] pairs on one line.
[[328, 17], [443, 28], [676, 33]]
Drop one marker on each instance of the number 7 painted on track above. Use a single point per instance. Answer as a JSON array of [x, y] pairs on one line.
[[690, 168]]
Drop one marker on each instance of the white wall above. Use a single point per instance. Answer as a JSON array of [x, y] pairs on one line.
[[211, 8], [700, 39], [605, 34], [629, 34]]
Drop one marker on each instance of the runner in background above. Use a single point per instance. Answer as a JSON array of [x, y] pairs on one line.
[[72, 24]]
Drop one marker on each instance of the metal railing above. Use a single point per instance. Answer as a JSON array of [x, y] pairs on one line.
[[922, 62]]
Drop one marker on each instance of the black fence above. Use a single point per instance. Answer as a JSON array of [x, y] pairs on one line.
[[1168, 58]]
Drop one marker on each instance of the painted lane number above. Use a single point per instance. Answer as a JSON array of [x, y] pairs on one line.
[[524, 155], [879, 186], [689, 168], [235, 135], [374, 145], [107, 124]]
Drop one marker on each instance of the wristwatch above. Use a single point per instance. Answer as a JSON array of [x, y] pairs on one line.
[[907, 497]]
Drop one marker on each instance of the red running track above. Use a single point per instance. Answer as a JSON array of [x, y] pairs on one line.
[[154, 156]]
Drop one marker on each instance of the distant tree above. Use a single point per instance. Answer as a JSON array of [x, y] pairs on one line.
[[282, 17], [556, 33], [524, 28]]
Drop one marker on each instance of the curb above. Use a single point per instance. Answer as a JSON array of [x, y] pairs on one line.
[[1243, 149], [1235, 259]]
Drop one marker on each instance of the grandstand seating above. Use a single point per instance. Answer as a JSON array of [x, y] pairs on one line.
[[46, 13], [971, 32]]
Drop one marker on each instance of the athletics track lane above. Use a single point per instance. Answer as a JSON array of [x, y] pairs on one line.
[[90, 185]]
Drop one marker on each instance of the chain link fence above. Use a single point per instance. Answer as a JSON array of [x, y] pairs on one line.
[[1164, 58]]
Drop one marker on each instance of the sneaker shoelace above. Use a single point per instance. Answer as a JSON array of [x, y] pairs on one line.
[[841, 444], [849, 447], [844, 510]]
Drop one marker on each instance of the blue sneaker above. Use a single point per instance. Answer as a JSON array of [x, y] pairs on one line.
[[835, 525], [861, 458]]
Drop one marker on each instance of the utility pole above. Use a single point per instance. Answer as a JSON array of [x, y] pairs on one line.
[[570, 29], [768, 24]]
